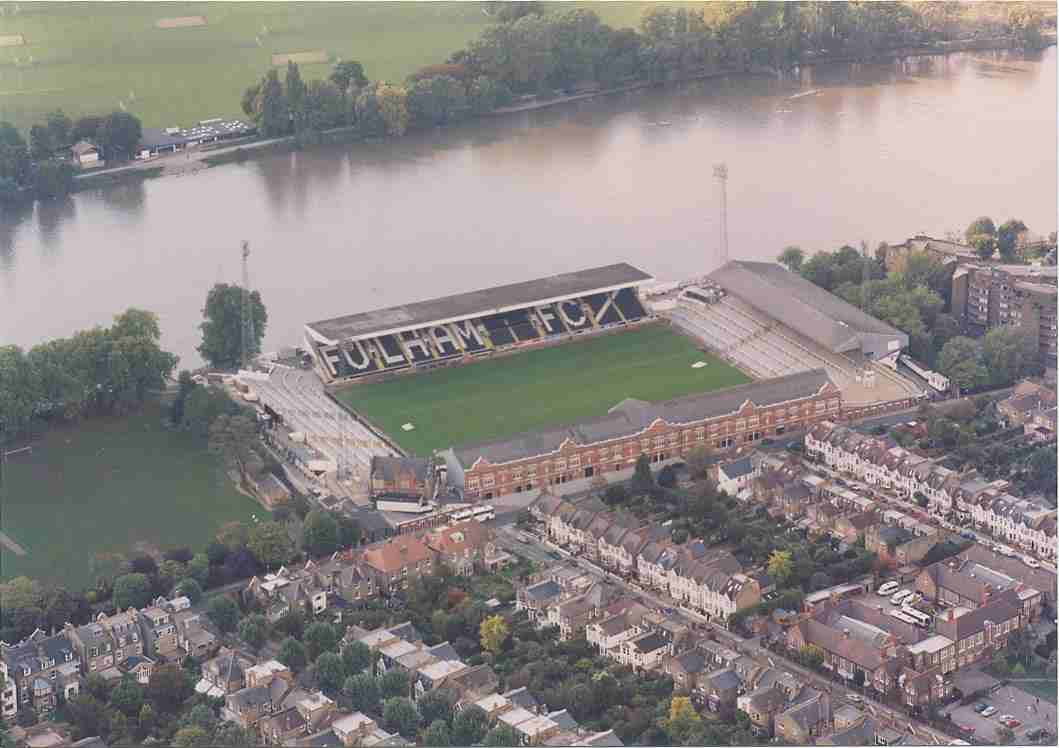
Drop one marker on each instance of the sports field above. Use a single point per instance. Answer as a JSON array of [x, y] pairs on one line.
[[174, 63], [107, 485], [549, 386]]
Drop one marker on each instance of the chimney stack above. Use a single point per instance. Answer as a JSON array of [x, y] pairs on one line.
[[845, 633]]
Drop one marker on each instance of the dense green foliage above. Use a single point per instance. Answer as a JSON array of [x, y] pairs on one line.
[[222, 330], [94, 372]]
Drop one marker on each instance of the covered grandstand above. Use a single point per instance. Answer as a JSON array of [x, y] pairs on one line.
[[771, 322], [439, 331]]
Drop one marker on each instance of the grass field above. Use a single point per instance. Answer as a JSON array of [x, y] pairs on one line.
[[96, 57], [106, 485], [549, 386]]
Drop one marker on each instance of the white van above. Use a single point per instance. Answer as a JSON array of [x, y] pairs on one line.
[[900, 596], [887, 588]]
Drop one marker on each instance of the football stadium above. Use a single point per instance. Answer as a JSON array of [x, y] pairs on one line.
[[576, 375]]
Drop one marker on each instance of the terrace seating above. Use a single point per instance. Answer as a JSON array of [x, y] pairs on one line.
[[574, 315], [518, 322], [551, 322], [464, 333], [393, 357], [496, 327], [416, 347], [629, 305]]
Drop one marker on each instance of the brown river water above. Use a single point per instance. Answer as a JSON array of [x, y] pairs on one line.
[[876, 153]]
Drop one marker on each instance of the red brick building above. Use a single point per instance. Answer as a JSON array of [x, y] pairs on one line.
[[720, 420]]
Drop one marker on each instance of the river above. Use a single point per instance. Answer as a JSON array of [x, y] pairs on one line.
[[878, 153]]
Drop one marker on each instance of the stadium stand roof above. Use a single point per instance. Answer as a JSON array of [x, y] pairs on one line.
[[476, 303], [632, 416], [808, 309]]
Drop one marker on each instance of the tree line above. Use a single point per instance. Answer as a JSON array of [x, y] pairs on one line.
[[104, 370], [41, 167], [531, 51]]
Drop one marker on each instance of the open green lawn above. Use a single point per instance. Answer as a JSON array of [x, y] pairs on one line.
[[106, 485], [550, 386], [95, 57]]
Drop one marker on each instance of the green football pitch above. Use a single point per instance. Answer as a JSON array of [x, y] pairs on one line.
[[562, 384], [110, 485], [175, 63]]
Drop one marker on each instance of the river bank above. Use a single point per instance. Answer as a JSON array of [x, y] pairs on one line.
[[190, 162]]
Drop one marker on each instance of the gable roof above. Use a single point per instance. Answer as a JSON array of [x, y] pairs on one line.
[[395, 553]]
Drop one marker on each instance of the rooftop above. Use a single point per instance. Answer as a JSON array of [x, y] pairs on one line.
[[477, 303], [802, 305]]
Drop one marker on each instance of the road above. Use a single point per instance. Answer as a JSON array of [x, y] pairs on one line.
[[919, 732]]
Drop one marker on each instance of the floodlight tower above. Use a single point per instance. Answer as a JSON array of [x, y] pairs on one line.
[[246, 311], [720, 173]]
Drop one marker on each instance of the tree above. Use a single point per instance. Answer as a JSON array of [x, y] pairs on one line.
[[469, 725], [295, 92], [118, 135], [435, 705], [233, 536], [291, 623], [330, 672], [199, 568], [147, 719], [320, 637], [697, 461], [1007, 237], [780, 566], [21, 605], [667, 477], [168, 688], [52, 179], [792, 257], [254, 630], [224, 613], [642, 479], [273, 116], [270, 544], [1004, 735], [348, 532], [292, 654], [233, 438], [981, 226], [88, 714], [984, 245], [357, 657], [362, 690], [348, 73], [1024, 25], [1008, 353], [127, 696], [169, 573], [393, 108], [392, 684], [812, 656], [502, 735], [615, 495], [232, 735], [222, 333], [401, 715], [131, 591], [818, 269], [59, 129], [192, 736], [438, 733], [320, 533], [682, 720], [960, 361], [493, 633]]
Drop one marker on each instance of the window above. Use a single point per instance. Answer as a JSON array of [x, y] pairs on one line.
[[740, 424], [560, 465], [645, 444], [753, 421], [517, 473], [488, 481], [575, 461]]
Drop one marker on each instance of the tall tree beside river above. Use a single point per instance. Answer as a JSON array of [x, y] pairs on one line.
[[222, 332]]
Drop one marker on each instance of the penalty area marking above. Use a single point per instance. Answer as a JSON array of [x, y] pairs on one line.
[[179, 22], [11, 545]]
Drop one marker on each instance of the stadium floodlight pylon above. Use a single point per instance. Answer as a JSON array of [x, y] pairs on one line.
[[720, 173], [246, 313]]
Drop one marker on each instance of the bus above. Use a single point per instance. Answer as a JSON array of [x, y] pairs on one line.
[[481, 513], [903, 616], [922, 619], [900, 596]]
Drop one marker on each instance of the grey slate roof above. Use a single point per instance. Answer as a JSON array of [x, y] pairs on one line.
[[523, 698], [802, 305], [738, 468], [632, 417], [724, 680], [477, 303]]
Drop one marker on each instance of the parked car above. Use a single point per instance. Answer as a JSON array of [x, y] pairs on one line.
[[965, 728], [989, 711], [887, 588], [1031, 562], [981, 707], [968, 535], [855, 698], [1009, 721]]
